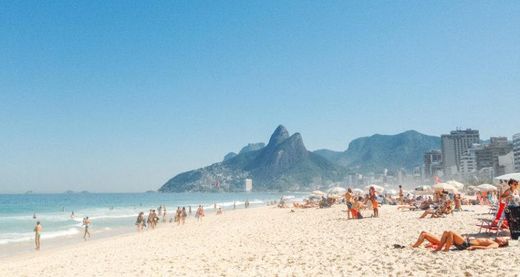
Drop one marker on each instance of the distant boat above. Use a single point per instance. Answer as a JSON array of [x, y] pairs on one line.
[[29, 192]]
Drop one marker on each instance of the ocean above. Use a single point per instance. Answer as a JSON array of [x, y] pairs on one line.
[[107, 211]]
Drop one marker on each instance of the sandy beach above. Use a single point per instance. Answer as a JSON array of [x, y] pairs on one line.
[[269, 241]]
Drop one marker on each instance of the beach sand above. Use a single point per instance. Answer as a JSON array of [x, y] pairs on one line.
[[269, 241]]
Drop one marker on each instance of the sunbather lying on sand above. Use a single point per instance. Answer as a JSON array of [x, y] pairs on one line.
[[450, 238]]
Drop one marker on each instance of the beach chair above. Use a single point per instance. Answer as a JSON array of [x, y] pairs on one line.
[[496, 224]]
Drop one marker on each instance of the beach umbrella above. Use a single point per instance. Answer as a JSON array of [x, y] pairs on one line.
[[337, 190], [318, 192], [392, 192], [455, 184], [507, 177], [486, 187], [423, 190], [473, 188], [357, 191], [444, 186], [379, 189]]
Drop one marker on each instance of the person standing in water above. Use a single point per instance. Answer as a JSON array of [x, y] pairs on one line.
[[234, 205], [37, 234], [189, 210], [86, 223]]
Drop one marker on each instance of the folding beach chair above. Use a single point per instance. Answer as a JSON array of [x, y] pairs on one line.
[[497, 224]]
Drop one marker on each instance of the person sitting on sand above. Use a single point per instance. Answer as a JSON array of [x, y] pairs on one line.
[[439, 212], [357, 205], [450, 238], [37, 234], [219, 211]]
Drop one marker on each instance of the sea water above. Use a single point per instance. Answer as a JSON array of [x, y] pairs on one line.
[[106, 211]]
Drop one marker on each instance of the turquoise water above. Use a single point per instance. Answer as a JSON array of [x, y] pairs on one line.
[[106, 211]]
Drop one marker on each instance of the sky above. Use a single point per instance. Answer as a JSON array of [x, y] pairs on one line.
[[120, 96]]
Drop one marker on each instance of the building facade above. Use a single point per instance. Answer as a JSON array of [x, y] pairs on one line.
[[432, 163], [468, 161], [248, 185], [453, 147], [516, 152]]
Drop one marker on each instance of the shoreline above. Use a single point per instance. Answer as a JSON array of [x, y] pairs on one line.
[[27, 247], [269, 241]]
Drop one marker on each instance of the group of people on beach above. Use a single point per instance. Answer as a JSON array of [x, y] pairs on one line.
[[150, 222], [38, 231], [460, 242], [356, 203]]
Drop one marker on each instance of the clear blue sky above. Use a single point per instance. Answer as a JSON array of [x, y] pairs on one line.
[[121, 96]]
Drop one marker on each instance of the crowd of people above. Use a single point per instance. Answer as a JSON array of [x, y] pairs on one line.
[[440, 204]]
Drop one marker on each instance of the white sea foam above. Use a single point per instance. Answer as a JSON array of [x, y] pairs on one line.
[[21, 237]]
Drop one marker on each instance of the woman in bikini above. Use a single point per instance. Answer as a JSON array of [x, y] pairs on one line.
[[450, 238]]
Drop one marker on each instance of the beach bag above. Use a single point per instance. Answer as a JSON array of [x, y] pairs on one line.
[[513, 218]]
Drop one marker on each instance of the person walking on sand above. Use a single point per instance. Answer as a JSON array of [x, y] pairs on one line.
[[200, 213], [401, 195], [164, 215], [189, 210], [86, 223], [234, 205], [372, 196], [348, 201], [140, 222], [37, 234], [183, 215]]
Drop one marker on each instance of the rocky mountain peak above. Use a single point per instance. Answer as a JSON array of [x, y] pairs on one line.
[[279, 135]]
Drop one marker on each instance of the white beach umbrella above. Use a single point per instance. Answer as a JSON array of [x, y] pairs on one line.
[[337, 190], [357, 191], [444, 186], [455, 184], [318, 192], [423, 190], [379, 189], [507, 177], [473, 188], [392, 192], [487, 187]]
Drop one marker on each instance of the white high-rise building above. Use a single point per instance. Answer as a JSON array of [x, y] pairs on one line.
[[516, 151], [248, 185], [468, 161], [453, 147]]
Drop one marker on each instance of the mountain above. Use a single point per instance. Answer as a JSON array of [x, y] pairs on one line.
[[377, 152], [230, 155], [283, 164], [248, 148], [252, 147]]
